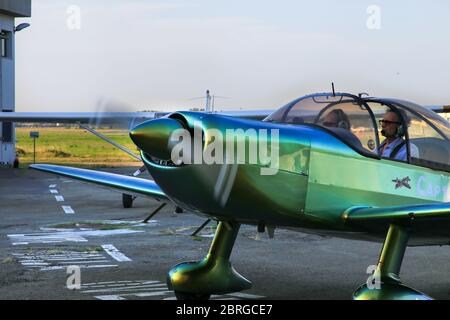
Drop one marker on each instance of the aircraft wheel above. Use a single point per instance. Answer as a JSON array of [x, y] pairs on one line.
[[192, 296], [127, 200], [178, 210]]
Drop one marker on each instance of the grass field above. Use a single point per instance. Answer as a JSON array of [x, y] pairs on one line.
[[75, 147]]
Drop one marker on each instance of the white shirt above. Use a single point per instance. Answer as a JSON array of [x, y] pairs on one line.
[[402, 153]]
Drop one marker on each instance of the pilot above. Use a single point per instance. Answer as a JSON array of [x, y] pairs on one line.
[[394, 146], [336, 118]]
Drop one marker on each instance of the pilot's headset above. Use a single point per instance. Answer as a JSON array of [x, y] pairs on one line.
[[402, 118], [342, 119]]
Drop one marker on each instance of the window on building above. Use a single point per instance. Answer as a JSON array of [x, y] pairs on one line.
[[7, 132], [5, 38]]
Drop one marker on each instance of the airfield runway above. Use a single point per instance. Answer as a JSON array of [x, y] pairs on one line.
[[48, 223]]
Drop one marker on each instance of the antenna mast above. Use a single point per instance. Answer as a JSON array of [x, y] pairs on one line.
[[208, 102]]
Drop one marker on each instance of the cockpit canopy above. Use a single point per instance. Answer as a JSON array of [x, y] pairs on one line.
[[423, 134]]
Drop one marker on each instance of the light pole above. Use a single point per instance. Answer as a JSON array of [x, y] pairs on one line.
[[21, 26]]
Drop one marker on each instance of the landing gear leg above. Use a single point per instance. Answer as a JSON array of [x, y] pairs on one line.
[[212, 275], [127, 200], [387, 284]]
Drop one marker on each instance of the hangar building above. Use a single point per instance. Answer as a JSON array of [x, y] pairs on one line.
[[9, 11]]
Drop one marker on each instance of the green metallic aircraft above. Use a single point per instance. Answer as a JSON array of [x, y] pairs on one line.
[[333, 176]]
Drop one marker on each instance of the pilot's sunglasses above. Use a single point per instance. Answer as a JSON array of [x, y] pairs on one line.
[[388, 122]]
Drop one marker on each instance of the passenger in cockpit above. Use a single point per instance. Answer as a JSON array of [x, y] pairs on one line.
[[336, 118]]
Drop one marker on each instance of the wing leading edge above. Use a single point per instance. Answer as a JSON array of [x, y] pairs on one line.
[[117, 182]]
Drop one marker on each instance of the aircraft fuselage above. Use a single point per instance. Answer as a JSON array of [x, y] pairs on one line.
[[318, 178]]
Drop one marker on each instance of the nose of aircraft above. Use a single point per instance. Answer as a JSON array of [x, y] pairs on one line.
[[153, 136]]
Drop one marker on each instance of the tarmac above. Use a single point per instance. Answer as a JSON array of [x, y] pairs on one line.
[[55, 231]]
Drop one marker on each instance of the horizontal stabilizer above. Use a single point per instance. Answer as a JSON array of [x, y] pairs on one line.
[[117, 182]]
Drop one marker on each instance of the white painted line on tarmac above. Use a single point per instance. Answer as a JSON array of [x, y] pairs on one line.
[[137, 288], [119, 296], [110, 297], [124, 290], [46, 261], [82, 266], [153, 294], [245, 295], [64, 236], [102, 283], [74, 260], [83, 262], [34, 263], [115, 253], [68, 209], [52, 186], [118, 283], [54, 191], [61, 256], [24, 239], [59, 198]]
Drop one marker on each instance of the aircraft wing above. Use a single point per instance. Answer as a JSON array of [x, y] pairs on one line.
[[248, 114], [128, 118], [117, 182], [424, 215], [439, 108], [82, 117]]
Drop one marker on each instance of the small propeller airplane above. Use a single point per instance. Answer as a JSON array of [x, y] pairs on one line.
[[331, 176]]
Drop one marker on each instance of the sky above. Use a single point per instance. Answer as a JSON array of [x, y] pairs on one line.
[[119, 55]]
